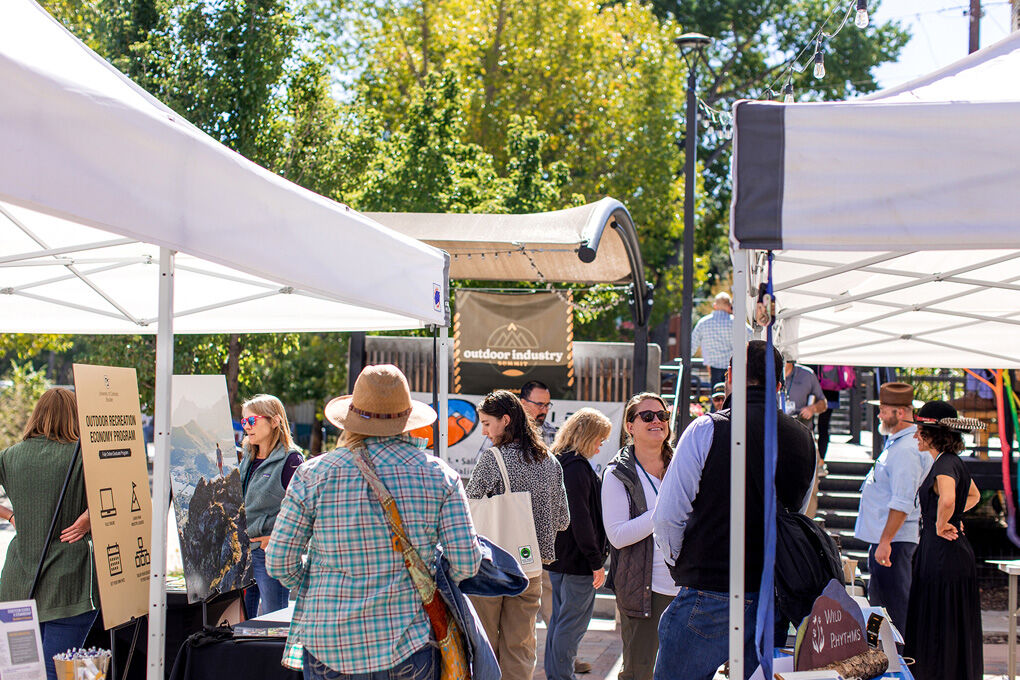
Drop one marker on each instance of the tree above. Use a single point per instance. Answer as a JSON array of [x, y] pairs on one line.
[[603, 84]]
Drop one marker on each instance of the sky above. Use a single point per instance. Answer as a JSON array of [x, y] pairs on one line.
[[940, 34]]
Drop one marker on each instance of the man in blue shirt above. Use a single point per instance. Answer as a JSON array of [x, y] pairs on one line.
[[714, 335], [692, 526], [889, 513]]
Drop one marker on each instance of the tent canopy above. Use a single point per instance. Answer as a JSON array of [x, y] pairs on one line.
[[96, 175], [926, 175], [594, 243]]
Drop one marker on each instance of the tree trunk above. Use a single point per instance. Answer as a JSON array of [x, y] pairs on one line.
[[232, 370], [315, 445], [871, 664]]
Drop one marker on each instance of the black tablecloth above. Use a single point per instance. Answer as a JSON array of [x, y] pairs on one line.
[[208, 656]]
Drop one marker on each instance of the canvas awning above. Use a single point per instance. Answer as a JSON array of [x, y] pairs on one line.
[[594, 243], [906, 201], [92, 166]]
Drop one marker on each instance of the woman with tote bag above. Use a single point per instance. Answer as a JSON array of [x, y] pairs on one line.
[[521, 458]]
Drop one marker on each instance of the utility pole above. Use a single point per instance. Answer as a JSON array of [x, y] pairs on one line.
[[975, 26]]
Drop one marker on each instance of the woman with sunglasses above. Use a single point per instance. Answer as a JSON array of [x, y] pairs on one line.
[[638, 571], [269, 461]]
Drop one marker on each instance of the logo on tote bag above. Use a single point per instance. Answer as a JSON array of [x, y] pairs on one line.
[[526, 555]]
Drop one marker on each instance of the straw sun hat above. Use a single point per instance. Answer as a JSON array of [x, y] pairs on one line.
[[381, 405]]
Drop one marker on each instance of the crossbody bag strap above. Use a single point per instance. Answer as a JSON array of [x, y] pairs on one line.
[[420, 574], [498, 455]]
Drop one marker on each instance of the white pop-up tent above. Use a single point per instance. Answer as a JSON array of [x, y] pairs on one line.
[[904, 207], [112, 206]]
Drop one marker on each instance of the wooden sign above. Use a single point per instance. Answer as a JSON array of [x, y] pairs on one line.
[[117, 487], [833, 631]]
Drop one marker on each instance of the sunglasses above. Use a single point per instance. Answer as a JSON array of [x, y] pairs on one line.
[[649, 416], [251, 420]]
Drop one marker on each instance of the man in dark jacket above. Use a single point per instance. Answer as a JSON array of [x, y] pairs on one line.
[[578, 570], [692, 526]]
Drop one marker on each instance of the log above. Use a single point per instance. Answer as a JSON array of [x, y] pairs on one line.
[[870, 664]]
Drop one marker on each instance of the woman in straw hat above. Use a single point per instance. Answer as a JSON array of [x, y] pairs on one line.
[[267, 466], [509, 622], [944, 611], [358, 611]]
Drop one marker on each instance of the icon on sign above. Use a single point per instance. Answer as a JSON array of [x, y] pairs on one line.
[[526, 555], [113, 559], [106, 379], [106, 506], [135, 507], [141, 555]]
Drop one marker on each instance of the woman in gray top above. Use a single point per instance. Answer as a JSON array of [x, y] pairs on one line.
[[509, 622]]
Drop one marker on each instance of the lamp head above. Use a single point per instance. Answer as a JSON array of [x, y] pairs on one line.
[[692, 41]]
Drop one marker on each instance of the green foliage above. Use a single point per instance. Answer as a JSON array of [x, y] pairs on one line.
[[20, 389]]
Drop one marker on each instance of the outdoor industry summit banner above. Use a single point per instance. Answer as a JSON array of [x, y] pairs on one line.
[[501, 341]]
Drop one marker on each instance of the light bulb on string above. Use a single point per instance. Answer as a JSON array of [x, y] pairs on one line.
[[788, 93], [862, 19], [819, 70]]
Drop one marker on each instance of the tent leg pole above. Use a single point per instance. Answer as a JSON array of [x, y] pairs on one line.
[[444, 393], [356, 359], [738, 464], [641, 359], [161, 467]]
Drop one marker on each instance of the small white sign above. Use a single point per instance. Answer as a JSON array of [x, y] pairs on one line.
[[21, 654]]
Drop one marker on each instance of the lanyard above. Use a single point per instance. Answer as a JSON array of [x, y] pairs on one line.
[[647, 476]]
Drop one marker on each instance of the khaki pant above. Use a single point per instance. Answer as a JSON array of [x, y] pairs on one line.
[[546, 603], [509, 623]]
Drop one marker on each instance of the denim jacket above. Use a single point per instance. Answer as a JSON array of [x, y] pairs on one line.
[[498, 575]]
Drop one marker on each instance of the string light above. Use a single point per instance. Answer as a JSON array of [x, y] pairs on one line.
[[819, 69], [862, 19], [788, 93]]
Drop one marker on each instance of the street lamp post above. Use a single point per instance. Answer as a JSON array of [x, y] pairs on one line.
[[691, 45]]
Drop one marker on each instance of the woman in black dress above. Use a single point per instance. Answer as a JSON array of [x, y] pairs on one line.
[[944, 612]]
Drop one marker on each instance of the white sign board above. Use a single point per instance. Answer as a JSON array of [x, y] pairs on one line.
[[21, 654]]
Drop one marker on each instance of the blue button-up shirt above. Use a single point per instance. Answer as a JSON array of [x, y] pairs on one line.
[[714, 335], [892, 485]]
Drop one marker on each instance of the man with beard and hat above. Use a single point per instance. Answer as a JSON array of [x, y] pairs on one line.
[[889, 513]]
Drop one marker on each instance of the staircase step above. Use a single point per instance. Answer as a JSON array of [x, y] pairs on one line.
[[837, 519], [835, 482], [849, 467], [848, 541], [838, 500]]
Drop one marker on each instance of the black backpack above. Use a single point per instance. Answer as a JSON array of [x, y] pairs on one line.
[[806, 560]]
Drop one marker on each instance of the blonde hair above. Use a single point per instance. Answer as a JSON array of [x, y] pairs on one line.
[[583, 432], [351, 440], [271, 407], [55, 417], [630, 413]]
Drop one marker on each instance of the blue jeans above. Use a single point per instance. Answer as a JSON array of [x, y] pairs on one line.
[[694, 635], [422, 665], [60, 635], [267, 589], [573, 599], [889, 587]]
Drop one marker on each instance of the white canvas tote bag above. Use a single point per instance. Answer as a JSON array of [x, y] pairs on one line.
[[507, 520]]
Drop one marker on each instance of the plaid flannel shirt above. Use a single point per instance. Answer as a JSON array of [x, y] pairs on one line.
[[357, 610]]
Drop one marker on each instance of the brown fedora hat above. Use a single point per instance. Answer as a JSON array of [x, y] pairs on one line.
[[381, 405], [896, 394]]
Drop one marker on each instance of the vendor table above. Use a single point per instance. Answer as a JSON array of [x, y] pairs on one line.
[[205, 656], [1012, 569], [899, 675]]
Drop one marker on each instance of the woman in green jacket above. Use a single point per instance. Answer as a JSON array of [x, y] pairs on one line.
[[33, 472], [270, 459]]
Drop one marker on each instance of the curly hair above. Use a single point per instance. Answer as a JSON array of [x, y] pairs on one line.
[[942, 440], [521, 430]]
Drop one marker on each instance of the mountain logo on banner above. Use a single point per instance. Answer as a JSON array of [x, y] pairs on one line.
[[512, 336]]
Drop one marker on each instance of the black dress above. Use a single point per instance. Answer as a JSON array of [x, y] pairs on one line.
[[944, 612]]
